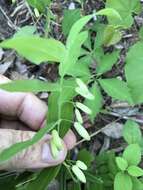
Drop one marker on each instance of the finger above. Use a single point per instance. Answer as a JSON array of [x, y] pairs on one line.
[[17, 125], [37, 156], [26, 106], [70, 139]]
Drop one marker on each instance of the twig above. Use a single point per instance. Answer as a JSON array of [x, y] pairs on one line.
[[92, 135], [11, 24], [16, 10], [30, 11], [126, 117], [97, 132]]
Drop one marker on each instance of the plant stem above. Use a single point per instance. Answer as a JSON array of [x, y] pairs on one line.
[[48, 21], [59, 101], [68, 167]]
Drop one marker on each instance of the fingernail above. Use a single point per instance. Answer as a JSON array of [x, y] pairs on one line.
[[47, 156]]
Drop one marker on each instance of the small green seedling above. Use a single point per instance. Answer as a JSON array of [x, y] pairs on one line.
[[128, 166]]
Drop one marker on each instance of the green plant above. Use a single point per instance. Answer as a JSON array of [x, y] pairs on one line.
[[122, 172], [67, 56], [131, 157], [129, 171], [39, 5]]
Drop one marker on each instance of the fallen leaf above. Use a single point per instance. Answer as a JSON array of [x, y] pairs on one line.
[[113, 130]]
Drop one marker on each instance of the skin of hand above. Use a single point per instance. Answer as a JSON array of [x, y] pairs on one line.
[[21, 115]]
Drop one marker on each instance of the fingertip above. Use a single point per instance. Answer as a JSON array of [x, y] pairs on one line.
[[44, 157], [48, 158], [32, 111], [70, 139], [36, 156]]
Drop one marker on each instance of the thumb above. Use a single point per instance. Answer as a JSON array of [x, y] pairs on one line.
[[36, 156]]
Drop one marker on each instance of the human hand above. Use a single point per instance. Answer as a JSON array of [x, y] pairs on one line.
[[21, 114]]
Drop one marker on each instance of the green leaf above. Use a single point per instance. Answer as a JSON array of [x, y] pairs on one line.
[[54, 150], [81, 165], [111, 35], [56, 139], [82, 90], [44, 178], [25, 31], [83, 108], [132, 154], [36, 49], [67, 95], [79, 174], [78, 116], [68, 90], [8, 153], [82, 68], [67, 116], [98, 42], [73, 45], [132, 133], [109, 12], [70, 17], [72, 54], [137, 184], [76, 28], [117, 89], [81, 71], [125, 9], [88, 44], [81, 131], [122, 181], [91, 177], [85, 156], [141, 33], [66, 112], [8, 182], [81, 84], [57, 101], [135, 171], [121, 163], [93, 186], [40, 5], [85, 94], [96, 104], [53, 107], [29, 86], [111, 162], [97, 55], [107, 61], [141, 145], [134, 71], [74, 185]]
